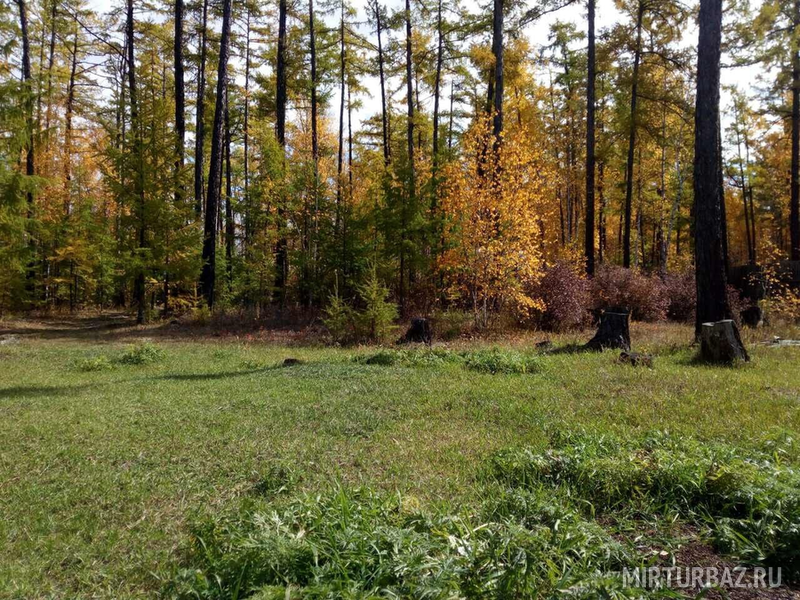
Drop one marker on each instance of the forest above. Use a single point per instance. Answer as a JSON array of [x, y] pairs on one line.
[[170, 156], [295, 299]]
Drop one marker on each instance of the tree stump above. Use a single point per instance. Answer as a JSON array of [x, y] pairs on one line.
[[614, 331], [720, 342], [420, 331]]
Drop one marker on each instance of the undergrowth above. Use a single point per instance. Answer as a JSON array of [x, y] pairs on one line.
[[749, 501], [143, 353], [491, 360], [534, 532]]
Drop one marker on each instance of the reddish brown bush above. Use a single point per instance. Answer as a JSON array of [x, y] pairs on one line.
[[644, 296], [566, 296], [681, 293]]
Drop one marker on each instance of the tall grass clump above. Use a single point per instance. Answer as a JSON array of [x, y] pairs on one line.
[[750, 501], [143, 353], [493, 360], [355, 543]]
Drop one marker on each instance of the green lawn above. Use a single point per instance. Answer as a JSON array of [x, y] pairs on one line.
[[100, 470]]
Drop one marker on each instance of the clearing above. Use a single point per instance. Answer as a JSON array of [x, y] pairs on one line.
[[113, 448]]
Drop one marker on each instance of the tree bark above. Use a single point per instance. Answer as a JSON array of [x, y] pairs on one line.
[[230, 226], [436, 89], [497, 51], [314, 150], [246, 134], [411, 167], [50, 61], [637, 54], [794, 203], [387, 149], [139, 285], [180, 110], [340, 154], [711, 278], [590, 142], [199, 141], [282, 245], [30, 169], [208, 275], [68, 113]]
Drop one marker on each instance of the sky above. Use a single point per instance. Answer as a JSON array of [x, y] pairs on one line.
[[537, 32]]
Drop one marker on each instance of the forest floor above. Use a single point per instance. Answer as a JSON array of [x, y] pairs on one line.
[[114, 438]]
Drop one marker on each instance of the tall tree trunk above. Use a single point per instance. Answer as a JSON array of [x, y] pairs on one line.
[[282, 245], [248, 227], [208, 275], [180, 110], [314, 149], [340, 155], [410, 142], [750, 196], [436, 89], [794, 204], [387, 149], [497, 51], [30, 169], [711, 278], [738, 125], [68, 113], [230, 226], [450, 117], [50, 61], [637, 54], [590, 144], [199, 141], [139, 285]]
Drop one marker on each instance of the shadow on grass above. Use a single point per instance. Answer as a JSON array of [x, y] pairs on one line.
[[40, 391], [214, 376]]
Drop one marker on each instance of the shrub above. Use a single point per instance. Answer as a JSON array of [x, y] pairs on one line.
[[143, 353], [681, 293], [371, 324], [452, 324], [643, 295], [339, 320], [566, 296], [377, 317]]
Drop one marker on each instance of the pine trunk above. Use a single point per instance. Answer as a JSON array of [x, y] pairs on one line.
[[590, 143], [637, 54], [180, 109], [711, 280], [794, 203], [282, 245], [199, 141], [208, 275]]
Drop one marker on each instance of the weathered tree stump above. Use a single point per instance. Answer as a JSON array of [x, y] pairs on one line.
[[420, 332], [614, 331], [720, 342], [635, 359]]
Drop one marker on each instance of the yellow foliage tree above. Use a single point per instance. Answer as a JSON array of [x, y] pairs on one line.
[[495, 204]]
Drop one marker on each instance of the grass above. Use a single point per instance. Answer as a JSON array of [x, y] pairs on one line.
[[108, 473]]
